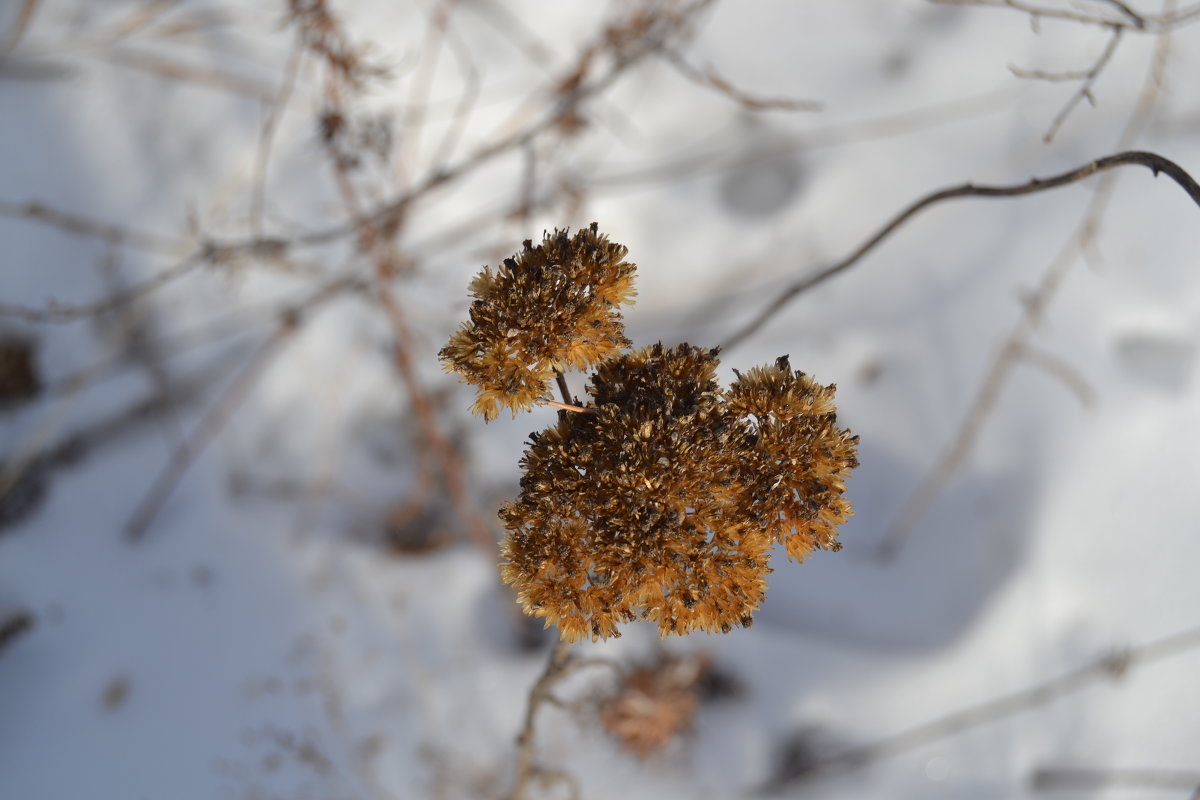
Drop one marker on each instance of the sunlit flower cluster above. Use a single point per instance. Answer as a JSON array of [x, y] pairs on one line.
[[663, 496], [548, 308]]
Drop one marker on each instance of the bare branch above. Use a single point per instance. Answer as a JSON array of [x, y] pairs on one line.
[[1058, 368], [709, 78], [953, 456], [1110, 668], [1086, 77], [82, 226], [1082, 779], [1154, 162], [556, 669], [1125, 19], [222, 409]]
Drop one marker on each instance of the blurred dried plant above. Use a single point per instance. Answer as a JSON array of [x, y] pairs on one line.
[[654, 704]]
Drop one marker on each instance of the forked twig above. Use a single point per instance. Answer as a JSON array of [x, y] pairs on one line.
[[1086, 77]]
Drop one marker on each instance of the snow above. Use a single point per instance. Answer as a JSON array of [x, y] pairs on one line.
[[261, 642]]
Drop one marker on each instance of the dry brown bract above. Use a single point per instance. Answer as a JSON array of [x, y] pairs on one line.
[[663, 502], [550, 307]]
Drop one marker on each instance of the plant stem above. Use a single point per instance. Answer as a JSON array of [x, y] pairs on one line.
[[556, 669]]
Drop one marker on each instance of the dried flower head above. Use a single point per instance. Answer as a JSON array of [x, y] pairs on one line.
[[663, 501], [546, 309], [794, 475], [655, 703]]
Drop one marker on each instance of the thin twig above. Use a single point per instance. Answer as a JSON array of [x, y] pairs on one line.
[[1086, 77], [266, 137], [567, 407], [20, 25], [56, 312], [955, 454], [1059, 368], [1109, 668], [82, 226], [1138, 20], [556, 669], [711, 79], [1154, 162], [169, 69], [1083, 779], [1160, 23], [222, 409]]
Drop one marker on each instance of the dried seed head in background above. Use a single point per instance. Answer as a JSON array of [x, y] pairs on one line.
[[663, 501], [655, 703], [548, 308]]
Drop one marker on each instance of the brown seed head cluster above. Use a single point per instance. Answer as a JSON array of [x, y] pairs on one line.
[[663, 498], [664, 501], [548, 308]]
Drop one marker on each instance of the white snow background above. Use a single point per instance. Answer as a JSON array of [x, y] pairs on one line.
[[259, 642]]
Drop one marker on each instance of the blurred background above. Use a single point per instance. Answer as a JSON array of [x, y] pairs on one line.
[[247, 525]]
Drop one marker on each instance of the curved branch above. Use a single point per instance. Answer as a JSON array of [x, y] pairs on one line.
[[1156, 163]]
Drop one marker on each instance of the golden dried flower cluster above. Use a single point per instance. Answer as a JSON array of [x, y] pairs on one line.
[[663, 502], [662, 498], [546, 309]]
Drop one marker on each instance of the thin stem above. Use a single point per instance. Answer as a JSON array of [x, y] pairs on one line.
[[567, 407], [556, 668], [563, 389], [1108, 668]]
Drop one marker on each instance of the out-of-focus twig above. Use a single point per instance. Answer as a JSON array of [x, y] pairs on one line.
[[1090, 780], [1109, 668], [1152, 23], [20, 25], [1087, 79], [266, 139], [557, 667], [80, 225], [171, 69], [711, 79], [222, 408]]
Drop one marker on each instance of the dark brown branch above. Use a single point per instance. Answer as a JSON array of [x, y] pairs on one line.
[[1154, 162]]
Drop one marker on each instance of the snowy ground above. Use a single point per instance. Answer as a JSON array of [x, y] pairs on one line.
[[260, 642]]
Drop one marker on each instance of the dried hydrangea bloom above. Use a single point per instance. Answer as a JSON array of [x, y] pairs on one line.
[[660, 503], [794, 476], [548, 308]]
